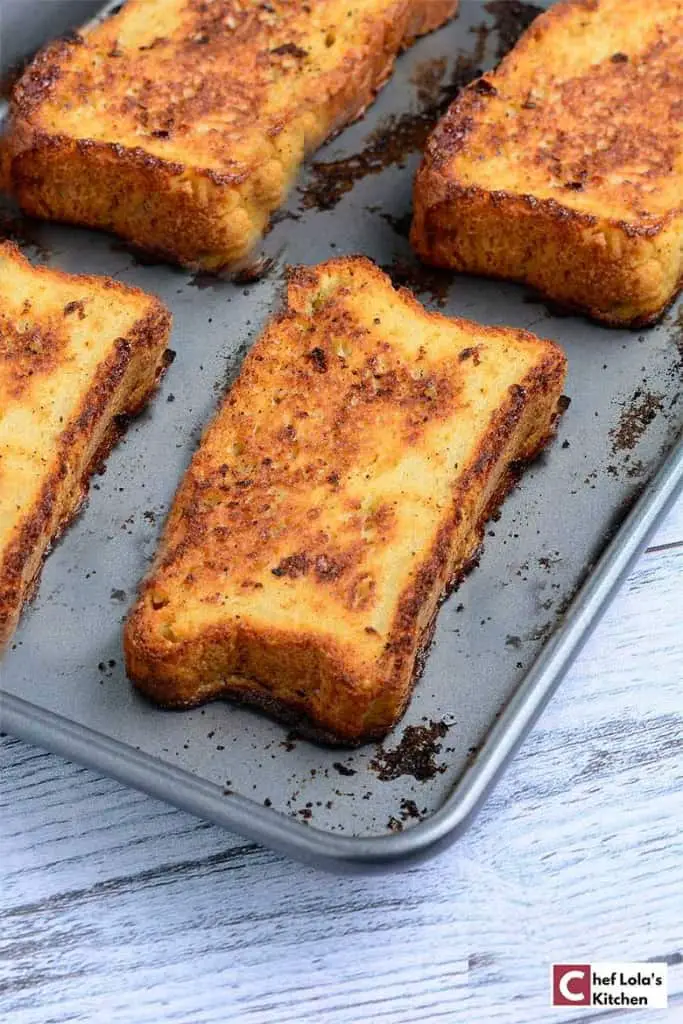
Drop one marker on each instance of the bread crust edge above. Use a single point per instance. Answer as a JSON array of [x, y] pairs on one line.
[[612, 270], [123, 385]]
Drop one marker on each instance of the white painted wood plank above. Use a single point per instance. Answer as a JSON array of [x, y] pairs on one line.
[[118, 908]]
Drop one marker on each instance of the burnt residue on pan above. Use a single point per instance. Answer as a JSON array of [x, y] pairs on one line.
[[250, 273], [15, 227], [10, 78], [415, 755], [254, 271], [390, 143], [399, 135], [511, 20], [290, 741], [408, 809], [419, 278], [639, 412], [232, 368], [141, 257], [428, 79], [203, 279], [400, 223]]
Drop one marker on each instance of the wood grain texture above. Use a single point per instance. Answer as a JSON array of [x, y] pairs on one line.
[[118, 908]]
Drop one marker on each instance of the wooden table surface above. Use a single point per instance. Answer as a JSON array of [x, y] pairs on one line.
[[117, 908]]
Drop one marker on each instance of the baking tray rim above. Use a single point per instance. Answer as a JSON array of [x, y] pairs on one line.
[[340, 853]]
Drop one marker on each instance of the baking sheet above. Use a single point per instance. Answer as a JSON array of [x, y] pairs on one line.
[[63, 683]]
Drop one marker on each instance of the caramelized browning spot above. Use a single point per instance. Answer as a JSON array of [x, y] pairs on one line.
[[75, 308], [327, 568], [290, 50], [470, 353], [293, 566], [28, 351], [319, 359]]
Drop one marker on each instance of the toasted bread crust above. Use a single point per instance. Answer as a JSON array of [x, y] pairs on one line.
[[122, 385], [328, 645], [192, 168], [563, 169]]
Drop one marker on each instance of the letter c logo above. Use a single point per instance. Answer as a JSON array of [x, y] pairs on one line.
[[571, 985], [565, 987]]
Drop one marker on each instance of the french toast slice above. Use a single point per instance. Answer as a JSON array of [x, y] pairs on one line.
[[76, 354], [564, 167], [339, 493], [181, 125]]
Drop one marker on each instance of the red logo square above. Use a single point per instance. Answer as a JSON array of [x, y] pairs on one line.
[[571, 985]]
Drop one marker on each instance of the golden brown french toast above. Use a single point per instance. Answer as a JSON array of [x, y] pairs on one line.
[[564, 167], [181, 124], [75, 354], [339, 493]]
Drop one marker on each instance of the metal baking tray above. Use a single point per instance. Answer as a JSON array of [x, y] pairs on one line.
[[552, 560]]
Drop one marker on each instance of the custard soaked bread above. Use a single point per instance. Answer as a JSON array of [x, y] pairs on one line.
[[75, 354], [181, 124], [564, 168], [338, 494]]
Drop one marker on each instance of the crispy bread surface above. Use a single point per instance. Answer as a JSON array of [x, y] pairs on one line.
[[181, 124], [564, 167], [340, 491], [75, 353]]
